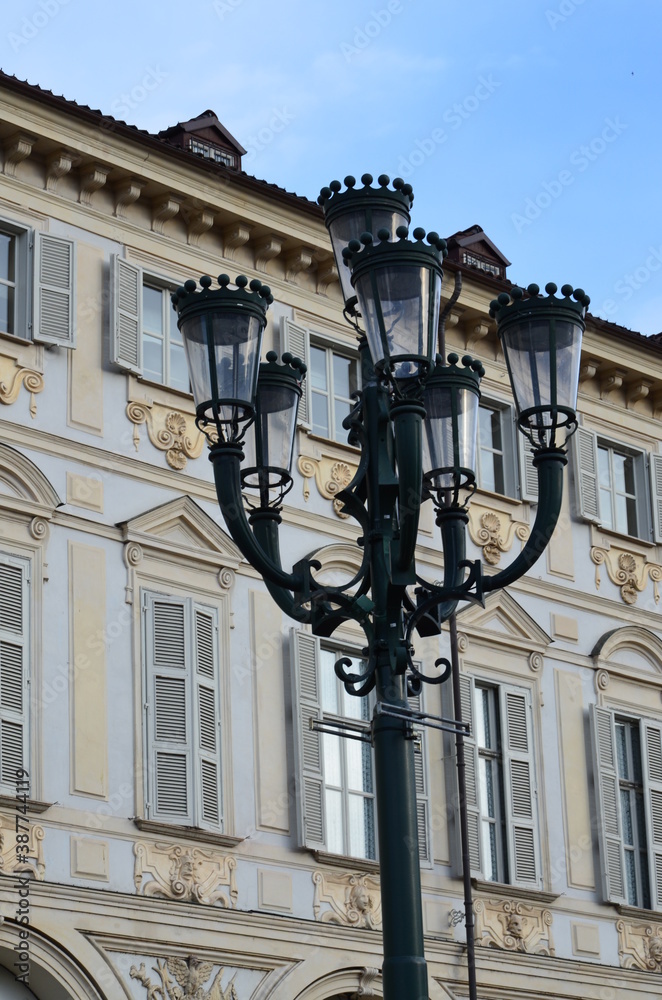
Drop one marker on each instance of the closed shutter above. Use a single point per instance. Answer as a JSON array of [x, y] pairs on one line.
[[656, 491], [585, 474], [126, 282], [468, 700], [306, 705], [651, 759], [519, 784], [205, 632], [608, 805], [422, 779], [169, 728], [13, 669], [296, 341], [54, 291], [528, 472]]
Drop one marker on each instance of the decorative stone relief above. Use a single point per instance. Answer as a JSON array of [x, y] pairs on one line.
[[198, 223], [17, 148], [494, 533], [327, 274], [354, 900], [640, 946], [11, 380], [601, 681], [629, 571], [265, 250], [366, 982], [331, 476], [168, 431], [297, 262], [92, 178], [187, 874], [191, 980], [234, 236], [513, 926], [58, 165], [11, 861], [163, 209], [126, 194]]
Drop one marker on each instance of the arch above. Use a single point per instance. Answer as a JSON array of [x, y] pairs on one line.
[[339, 563], [21, 478], [54, 973], [630, 638]]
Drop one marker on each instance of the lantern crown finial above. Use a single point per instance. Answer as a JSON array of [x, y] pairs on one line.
[[520, 300], [188, 296]]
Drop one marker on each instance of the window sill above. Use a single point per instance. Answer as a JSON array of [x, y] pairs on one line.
[[31, 805], [326, 442], [345, 861], [630, 540], [514, 891], [189, 832], [639, 913], [501, 498], [162, 387]]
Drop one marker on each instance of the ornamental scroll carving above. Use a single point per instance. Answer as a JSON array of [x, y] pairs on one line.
[[354, 900], [640, 946], [629, 571], [494, 533], [30, 861], [186, 874], [514, 926], [186, 979], [330, 475], [13, 378], [168, 430]]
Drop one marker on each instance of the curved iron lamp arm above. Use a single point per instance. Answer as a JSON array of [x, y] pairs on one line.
[[549, 463]]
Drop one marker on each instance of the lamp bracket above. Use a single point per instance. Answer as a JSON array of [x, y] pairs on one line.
[[349, 730], [411, 716]]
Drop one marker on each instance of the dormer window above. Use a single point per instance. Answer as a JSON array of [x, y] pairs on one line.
[[471, 260], [210, 152]]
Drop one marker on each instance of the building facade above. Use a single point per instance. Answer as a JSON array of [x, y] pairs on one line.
[[169, 826]]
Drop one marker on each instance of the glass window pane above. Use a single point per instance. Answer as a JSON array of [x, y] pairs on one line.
[[621, 513], [6, 309], [361, 827], [626, 813], [621, 750], [320, 415], [631, 516], [152, 309], [332, 767], [605, 508], [495, 425], [618, 463], [490, 853], [329, 681], [341, 376], [341, 409], [317, 373], [334, 824], [628, 475], [481, 717], [178, 368], [152, 358], [7, 245], [635, 741], [603, 467], [631, 878]]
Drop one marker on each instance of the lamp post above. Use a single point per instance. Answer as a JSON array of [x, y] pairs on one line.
[[415, 422]]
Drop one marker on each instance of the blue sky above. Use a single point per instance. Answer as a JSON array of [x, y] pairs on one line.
[[538, 119]]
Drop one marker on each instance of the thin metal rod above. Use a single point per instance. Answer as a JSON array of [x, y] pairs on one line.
[[464, 826], [445, 314]]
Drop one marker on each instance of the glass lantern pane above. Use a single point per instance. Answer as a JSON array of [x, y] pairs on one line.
[[449, 432], [351, 225], [532, 347]]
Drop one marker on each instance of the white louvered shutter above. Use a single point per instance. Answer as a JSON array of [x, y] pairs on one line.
[[169, 723], [422, 779], [585, 474], [608, 804], [13, 669], [651, 758], [126, 283], [54, 285], [295, 339], [519, 783], [205, 656], [528, 473], [656, 494], [306, 705], [467, 696]]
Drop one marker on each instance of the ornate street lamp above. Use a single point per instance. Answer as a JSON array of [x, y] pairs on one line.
[[415, 421]]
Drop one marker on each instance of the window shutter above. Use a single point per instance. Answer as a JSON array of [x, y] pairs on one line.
[[205, 632], [656, 491], [169, 735], [520, 787], [651, 759], [528, 472], [471, 780], [306, 702], [14, 700], [585, 478], [55, 274], [126, 283], [608, 804], [296, 341], [422, 779]]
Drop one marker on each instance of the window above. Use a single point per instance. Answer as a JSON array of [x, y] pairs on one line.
[[211, 152], [182, 698], [628, 782], [496, 454], [334, 774], [37, 279], [612, 487], [333, 379], [501, 784], [14, 662], [163, 355]]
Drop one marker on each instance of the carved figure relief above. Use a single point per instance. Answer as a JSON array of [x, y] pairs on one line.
[[354, 900], [331, 476], [630, 572], [30, 861], [640, 946], [513, 926], [168, 431], [187, 874], [487, 530], [191, 977]]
